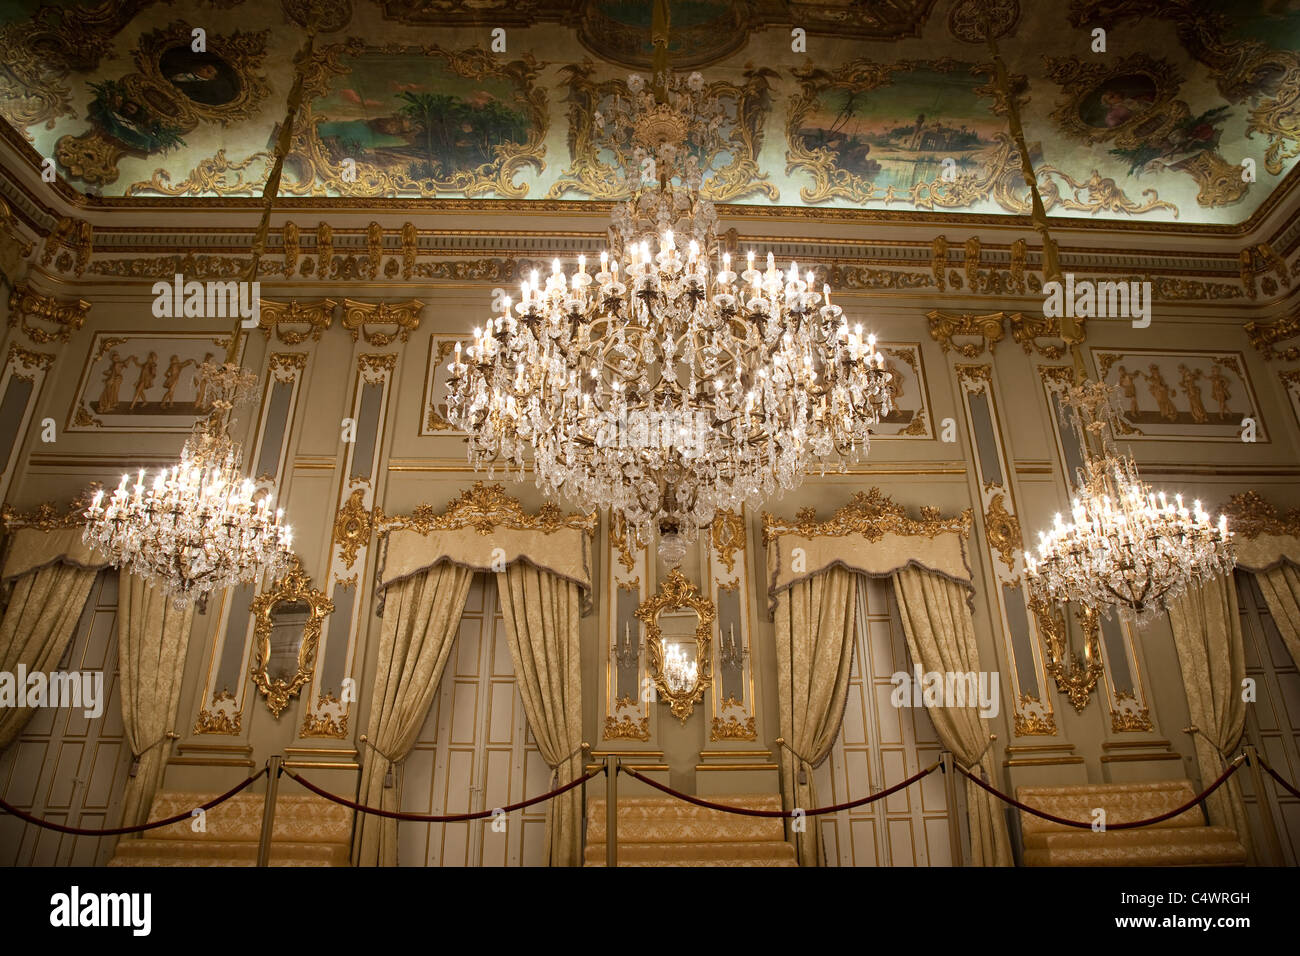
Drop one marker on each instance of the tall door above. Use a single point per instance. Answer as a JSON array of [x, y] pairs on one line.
[[879, 745], [66, 767], [475, 753], [1273, 721]]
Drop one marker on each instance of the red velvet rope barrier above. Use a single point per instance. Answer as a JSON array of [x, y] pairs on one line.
[[1273, 773], [789, 814], [116, 831], [446, 818], [1232, 768]]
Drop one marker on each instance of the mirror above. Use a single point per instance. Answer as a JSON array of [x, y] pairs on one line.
[[287, 621], [679, 638]]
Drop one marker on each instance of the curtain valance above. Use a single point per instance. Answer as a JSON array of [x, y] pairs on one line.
[[1262, 537], [870, 535], [487, 530], [45, 537]]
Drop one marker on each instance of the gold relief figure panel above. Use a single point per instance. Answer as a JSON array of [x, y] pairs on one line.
[[1174, 395], [145, 382]]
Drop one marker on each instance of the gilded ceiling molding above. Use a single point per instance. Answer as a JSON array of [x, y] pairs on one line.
[[485, 508], [371, 320], [210, 177], [1026, 330], [939, 261], [59, 318], [290, 247], [69, 245], [296, 321], [1250, 515], [588, 175], [871, 514], [1264, 336], [947, 326]]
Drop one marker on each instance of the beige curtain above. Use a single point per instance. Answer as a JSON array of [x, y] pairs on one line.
[[814, 651], [42, 615], [152, 638], [541, 613], [1281, 589], [941, 637], [421, 617], [1212, 656]]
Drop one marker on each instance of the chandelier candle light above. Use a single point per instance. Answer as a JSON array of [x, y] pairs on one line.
[[666, 385], [203, 525], [1126, 546]]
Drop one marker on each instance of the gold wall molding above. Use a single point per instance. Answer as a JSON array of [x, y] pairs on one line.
[[727, 536], [293, 587], [324, 724], [1027, 330], [733, 729], [219, 720], [1129, 716], [352, 527], [1032, 719], [48, 516], [872, 514], [626, 729]]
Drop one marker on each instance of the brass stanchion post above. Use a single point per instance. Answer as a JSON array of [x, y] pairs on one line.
[[1265, 813], [954, 821], [611, 810], [268, 811]]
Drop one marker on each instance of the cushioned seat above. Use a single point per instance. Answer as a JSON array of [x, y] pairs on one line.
[[308, 831], [663, 831], [1184, 840]]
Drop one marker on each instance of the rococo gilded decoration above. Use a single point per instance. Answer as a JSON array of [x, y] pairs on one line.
[[871, 514], [293, 589], [484, 508], [677, 591]]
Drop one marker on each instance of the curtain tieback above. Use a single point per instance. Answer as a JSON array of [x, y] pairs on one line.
[[555, 771], [388, 774], [975, 764], [135, 758], [803, 774]]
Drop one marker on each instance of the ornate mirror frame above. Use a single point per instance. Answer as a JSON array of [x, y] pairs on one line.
[[293, 587], [677, 592]]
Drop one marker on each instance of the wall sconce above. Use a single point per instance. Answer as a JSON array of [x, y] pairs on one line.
[[627, 653], [731, 654], [1074, 676]]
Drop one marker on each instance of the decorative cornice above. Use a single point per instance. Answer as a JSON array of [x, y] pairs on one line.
[[1250, 515], [49, 516], [370, 319], [1265, 335], [485, 508], [295, 321], [1026, 330], [989, 329], [871, 514], [66, 316]]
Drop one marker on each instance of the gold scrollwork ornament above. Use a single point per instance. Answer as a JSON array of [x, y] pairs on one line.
[[293, 588]]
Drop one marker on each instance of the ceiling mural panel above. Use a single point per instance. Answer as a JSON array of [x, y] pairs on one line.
[[887, 106]]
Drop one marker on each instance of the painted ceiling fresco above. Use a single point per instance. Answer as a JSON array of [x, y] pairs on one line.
[[891, 105]]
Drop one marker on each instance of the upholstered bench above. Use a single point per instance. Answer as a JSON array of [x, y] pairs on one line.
[[309, 831], [1183, 840]]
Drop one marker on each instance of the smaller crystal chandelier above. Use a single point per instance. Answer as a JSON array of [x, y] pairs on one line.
[[680, 672], [1125, 547], [201, 524]]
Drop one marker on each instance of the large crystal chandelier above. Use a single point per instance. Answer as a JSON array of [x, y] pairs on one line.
[[201, 524], [1125, 546], [667, 385]]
